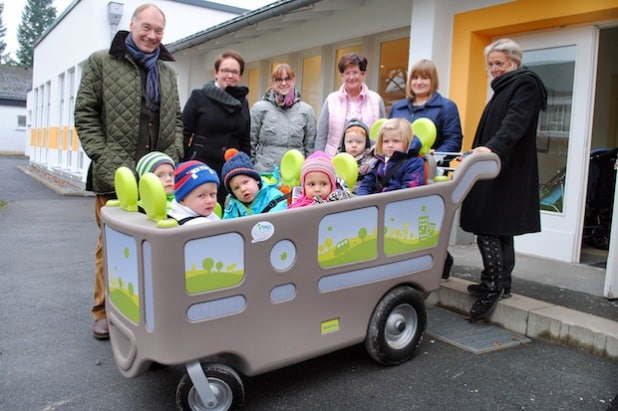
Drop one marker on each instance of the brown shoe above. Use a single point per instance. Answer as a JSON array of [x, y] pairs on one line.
[[101, 330]]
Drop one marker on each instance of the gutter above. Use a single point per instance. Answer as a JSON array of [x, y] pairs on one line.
[[248, 19]]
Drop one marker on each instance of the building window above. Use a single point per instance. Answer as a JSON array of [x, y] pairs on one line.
[[393, 69], [21, 121]]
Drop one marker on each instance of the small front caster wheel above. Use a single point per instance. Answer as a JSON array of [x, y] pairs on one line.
[[225, 384]]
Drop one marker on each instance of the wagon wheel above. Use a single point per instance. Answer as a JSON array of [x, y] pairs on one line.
[[396, 326], [599, 237], [225, 384]]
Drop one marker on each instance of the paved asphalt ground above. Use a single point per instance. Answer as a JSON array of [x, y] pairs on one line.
[[50, 361]]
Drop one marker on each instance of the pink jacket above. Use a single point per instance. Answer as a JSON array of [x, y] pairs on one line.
[[371, 108]]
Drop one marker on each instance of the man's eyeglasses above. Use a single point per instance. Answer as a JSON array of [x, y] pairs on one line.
[[280, 80]]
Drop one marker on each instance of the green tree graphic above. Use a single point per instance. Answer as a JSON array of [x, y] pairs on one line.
[[208, 263]]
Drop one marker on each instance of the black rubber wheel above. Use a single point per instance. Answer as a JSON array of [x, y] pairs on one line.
[[396, 326], [225, 383], [600, 238]]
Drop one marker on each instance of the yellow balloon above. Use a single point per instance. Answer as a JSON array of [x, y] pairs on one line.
[[346, 168], [425, 130], [126, 189], [375, 128], [291, 163], [153, 198]]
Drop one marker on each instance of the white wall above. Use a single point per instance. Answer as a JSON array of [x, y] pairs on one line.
[[12, 138], [86, 29]]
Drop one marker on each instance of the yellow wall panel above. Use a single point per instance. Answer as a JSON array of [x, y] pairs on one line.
[[65, 138], [473, 30], [54, 138], [75, 140]]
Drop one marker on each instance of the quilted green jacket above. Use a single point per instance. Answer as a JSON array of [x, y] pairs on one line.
[[107, 112]]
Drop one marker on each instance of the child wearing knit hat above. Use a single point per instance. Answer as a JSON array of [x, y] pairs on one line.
[[195, 192], [358, 144], [248, 192], [161, 165], [319, 182]]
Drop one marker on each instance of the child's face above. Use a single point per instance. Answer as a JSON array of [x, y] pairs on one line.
[[317, 184], [391, 142], [354, 143], [244, 188], [165, 172], [202, 199]]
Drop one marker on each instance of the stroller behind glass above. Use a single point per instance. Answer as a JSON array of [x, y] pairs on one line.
[[600, 197]]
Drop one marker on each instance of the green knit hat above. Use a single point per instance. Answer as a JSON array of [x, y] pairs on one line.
[[149, 162]]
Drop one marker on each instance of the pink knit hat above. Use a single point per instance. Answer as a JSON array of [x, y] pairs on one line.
[[319, 161]]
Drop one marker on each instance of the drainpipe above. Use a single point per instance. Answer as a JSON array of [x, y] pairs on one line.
[[114, 14]]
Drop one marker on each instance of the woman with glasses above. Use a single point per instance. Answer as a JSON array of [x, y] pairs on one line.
[[353, 100], [280, 122], [216, 116]]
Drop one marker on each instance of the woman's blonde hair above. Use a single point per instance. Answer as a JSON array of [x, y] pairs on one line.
[[401, 124], [508, 47], [425, 68]]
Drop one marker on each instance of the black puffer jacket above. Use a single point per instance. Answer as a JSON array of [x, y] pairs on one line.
[[107, 112]]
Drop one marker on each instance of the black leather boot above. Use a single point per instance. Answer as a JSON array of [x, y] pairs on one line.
[[478, 290], [485, 304], [491, 288]]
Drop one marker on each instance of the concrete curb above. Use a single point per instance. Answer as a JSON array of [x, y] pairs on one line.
[[56, 183], [537, 319]]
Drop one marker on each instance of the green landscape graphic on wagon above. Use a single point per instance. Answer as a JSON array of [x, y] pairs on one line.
[[412, 225], [122, 279], [213, 263], [351, 237], [348, 237]]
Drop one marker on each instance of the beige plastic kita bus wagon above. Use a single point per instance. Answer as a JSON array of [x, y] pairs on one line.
[[253, 294]]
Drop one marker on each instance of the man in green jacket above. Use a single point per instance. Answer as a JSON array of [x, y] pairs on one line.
[[127, 105]]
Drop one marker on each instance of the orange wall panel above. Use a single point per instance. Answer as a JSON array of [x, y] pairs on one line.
[[474, 30], [54, 137]]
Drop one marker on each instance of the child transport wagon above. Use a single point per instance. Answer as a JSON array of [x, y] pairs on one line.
[[249, 295]]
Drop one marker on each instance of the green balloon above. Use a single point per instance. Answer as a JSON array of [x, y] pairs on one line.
[[346, 168], [425, 130], [291, 163]]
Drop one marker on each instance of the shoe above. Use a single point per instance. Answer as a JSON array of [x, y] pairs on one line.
[[101, 329], [448, 264], [479, 290], [484, 305]]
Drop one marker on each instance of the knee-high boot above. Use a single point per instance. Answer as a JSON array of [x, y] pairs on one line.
[[491, 252], [508, 263]]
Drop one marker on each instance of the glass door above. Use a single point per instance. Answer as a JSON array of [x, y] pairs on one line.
[[565, 60]]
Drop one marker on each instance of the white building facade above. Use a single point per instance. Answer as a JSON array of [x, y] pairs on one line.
[[572, 46]]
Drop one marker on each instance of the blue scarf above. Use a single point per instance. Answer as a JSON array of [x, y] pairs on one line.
[[149, 62]]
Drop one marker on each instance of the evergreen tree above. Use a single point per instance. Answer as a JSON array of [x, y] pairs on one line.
[[3, 57], [35, 19]]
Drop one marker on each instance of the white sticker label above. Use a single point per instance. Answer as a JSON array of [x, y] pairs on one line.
[[262, 231]]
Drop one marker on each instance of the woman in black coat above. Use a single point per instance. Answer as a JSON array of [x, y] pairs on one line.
[[216, 117], [499, 209]]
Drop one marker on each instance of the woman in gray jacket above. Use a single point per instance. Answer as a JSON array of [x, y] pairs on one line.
[[280, 122]]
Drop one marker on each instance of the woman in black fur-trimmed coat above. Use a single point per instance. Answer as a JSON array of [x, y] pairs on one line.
[[216, 117], [499, 209]]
